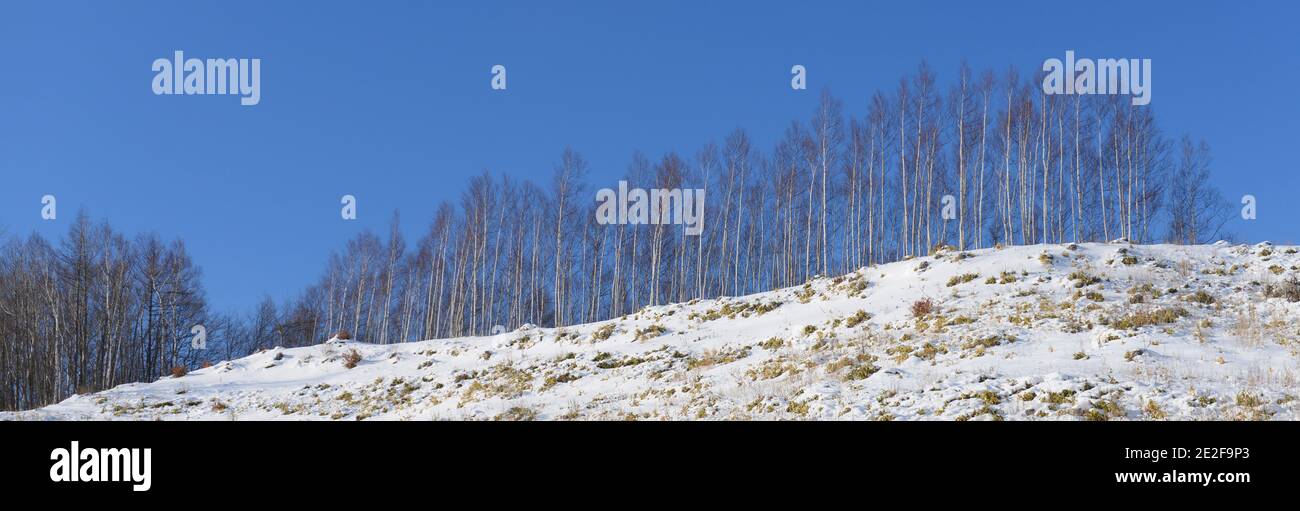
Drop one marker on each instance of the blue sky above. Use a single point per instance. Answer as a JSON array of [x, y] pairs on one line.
[[390, 102]]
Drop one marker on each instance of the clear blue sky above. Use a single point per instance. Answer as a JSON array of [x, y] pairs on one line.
[[390, 102]]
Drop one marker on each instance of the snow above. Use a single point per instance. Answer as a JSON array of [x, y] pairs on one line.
[[1041, 342]]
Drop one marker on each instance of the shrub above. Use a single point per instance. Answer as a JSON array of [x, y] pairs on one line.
[[1082, 279], [179, 371], [1145, 289], [503, 380], [929, 351], [989, 397], [716, 357], [517, 413], [772, 344], [1200, 296], [1249, 400], [1062, 397], [857, 318], [554, 380], [986, 342], [1129, 260], [806, 294], [650, 332], [1104, 410], [922, 308], [351, 358], [861, 371], [615, 363], [985, 410], [855, 286], [1154, 411], [1147, 318], [343, 335], [1288, 289], [962, 279], [747, 309], [603, 332]]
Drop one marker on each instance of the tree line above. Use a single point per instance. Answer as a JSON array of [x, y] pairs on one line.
[[835, 192], [96, 310], [838, 191]]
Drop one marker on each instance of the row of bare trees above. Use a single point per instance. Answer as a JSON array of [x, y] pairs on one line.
[[94, 311], [837, 192]]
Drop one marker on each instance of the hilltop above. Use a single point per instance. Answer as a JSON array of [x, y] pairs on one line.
[[1046, 332]]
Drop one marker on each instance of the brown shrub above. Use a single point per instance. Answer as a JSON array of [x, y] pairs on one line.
[[179, 371], [351, 358], [343, 335], [922, 308]]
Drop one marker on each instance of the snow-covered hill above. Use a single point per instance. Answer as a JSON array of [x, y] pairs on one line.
[[1089, 331]]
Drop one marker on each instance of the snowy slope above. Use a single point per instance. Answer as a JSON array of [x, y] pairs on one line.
[[1093, 331]]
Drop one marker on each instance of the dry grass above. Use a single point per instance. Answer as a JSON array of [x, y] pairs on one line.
[[1288, 289], [1143, 318]]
